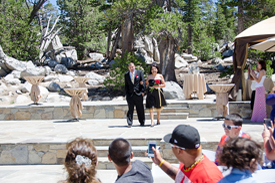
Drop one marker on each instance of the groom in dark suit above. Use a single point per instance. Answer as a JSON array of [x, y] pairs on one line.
[[134, 87]]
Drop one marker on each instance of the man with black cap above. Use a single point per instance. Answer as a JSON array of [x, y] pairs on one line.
[[194, 166]]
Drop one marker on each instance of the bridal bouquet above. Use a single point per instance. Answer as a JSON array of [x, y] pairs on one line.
[[151, 89]]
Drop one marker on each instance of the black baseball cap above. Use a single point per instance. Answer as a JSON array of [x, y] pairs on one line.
[[184, 136]]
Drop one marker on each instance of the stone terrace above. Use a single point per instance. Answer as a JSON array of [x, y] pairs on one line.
[[37, 135]]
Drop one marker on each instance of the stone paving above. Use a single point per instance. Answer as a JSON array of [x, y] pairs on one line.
[[56, 131], [62, 131]]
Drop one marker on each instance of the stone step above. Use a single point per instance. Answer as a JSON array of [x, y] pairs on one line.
[[139, 151], [104, 163], [174, 115], [134, 142], [41, 153], [172, 109]]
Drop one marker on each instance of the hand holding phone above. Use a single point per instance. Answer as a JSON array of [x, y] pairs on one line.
[[150, 150], [267, 123]]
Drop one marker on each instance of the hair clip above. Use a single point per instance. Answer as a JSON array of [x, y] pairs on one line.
[[83, 160]]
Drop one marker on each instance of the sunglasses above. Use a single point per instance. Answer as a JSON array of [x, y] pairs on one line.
[[173, 145], [229, 127]]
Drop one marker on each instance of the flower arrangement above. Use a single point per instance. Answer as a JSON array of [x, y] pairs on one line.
[[151, 89]]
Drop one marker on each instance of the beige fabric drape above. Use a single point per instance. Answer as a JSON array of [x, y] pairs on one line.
[[75, 103], [222, 97], [194, 83], [35, 91], [81, 81]]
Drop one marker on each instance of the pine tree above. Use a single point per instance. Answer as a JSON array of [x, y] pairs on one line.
[[80, 22], [18, 37]]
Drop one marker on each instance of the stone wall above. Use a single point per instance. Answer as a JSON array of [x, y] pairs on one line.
[[92, 110], [32, 154]]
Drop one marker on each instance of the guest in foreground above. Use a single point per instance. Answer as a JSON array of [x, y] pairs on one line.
[[194, 166], [269, 142], [270, 100], [81, 162], [134, 88], [242, 155], [155, 99], [259, 109], [233, 128], [120, 152]]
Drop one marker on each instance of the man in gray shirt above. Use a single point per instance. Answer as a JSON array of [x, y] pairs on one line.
[[120, 152]]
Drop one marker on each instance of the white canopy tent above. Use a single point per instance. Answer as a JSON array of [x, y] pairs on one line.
[[257, 33], [268, 45]]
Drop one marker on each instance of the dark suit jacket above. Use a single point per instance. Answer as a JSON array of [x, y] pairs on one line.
[[136, 88]]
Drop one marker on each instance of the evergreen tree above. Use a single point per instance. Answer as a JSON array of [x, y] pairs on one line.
[[251, 11], [191, 11], [80, 22], [224, 26], [18, 37]]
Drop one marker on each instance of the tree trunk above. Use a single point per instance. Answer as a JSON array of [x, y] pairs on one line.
[[115, 45], [189, 43], [108, 44], [128, 35], [35, 8], [240, 18], [167, 58]]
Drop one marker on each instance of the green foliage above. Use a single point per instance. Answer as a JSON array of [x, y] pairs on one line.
[[97, 44], [81, 22], [46, 12], [224, 27], [18, 38], [230, 71], [116, 79], [253, 11], [269, 69], [204, 46], [227, 73]]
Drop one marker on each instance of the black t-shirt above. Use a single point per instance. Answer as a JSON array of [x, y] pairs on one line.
[[139, 173]]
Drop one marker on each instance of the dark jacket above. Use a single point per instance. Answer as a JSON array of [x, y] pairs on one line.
[[136, 88]]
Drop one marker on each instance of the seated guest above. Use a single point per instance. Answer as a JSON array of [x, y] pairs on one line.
[[233, 128], [242, 155], [120, 152], [81, 162], [194, 166], [269, 142]]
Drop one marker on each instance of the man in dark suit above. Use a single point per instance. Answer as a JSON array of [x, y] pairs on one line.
[[134, 87]]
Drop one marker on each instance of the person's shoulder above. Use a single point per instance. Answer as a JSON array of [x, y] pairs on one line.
[[139, 71], [223, 137], [262, 72], [244, 135], [209, 170], [127, 72], [138, 163]]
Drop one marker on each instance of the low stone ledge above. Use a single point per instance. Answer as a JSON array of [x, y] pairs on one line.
[[114, 110]]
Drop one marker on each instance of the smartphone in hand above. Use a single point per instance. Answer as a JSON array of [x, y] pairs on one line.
[[267, 123], [150, 150]]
